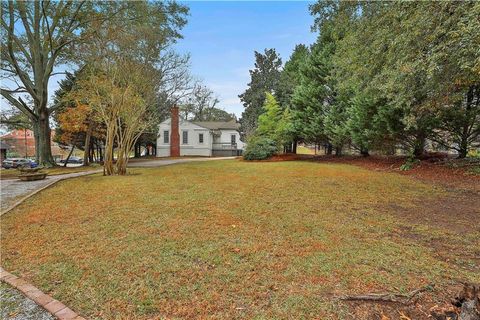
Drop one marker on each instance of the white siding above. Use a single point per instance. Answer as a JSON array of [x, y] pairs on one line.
[[193, 147], [226, 137]]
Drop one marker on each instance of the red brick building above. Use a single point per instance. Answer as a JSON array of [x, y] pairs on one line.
[[22, 144]]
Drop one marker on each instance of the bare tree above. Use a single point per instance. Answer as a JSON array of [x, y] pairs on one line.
[[174, 80], [40, 37], [200, 100], [35, 38], [132, 66]]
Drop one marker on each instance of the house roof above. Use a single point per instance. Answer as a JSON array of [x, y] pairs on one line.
[[217, 125]]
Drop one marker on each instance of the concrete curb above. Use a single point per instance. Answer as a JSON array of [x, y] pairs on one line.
[[54, 307], [18, 202]]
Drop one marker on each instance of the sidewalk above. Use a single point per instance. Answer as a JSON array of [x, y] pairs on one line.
[[13, 191]]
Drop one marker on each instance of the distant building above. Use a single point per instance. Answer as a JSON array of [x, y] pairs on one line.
[[178, 137], [3, 150], [22, 144]]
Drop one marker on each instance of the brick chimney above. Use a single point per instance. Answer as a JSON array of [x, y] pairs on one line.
[[175, 133]]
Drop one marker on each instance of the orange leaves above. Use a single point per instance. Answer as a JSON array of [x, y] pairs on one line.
[[74, 120]]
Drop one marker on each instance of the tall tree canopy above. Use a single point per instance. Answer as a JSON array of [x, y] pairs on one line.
[[412, 61], [265, 77], [387, 75], [39, 38], [291, 74]]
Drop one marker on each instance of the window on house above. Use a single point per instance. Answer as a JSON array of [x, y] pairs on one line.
[[200, 138], [185, 137], [166, 138], [233, 138]]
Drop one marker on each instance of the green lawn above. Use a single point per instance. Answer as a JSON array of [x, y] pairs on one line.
[[232, 239]]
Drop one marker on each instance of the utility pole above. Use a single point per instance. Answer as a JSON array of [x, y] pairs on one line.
[[26, 145]]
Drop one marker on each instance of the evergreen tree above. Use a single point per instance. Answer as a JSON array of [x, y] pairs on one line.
[[412, 59], [265, 77], [309, 97], [290, 76], [274, 123]]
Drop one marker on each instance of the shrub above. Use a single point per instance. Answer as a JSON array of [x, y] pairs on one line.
[[260, 148], [474, 153], [409, 163]]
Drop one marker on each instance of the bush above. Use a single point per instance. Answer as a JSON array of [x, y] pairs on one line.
[[409, 163], [474, 153], [260, 148]]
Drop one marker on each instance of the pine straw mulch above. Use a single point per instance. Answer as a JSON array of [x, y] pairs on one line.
[[436, 168]]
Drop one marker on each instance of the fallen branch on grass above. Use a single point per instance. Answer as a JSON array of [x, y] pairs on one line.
[[389, 297], [468, 300]]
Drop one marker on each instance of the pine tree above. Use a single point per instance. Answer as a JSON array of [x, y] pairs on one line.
[[265, 77]]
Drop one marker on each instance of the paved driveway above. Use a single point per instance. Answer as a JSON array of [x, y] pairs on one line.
[[14, 189]]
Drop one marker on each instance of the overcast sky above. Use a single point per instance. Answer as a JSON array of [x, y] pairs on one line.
[[222, 36]]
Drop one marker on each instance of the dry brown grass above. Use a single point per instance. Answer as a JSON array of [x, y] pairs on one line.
[[235, 240]]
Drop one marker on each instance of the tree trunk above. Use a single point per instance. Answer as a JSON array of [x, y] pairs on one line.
[[100, 152], [109, 140], [97, 147], [294, 147], [462, 152], [338, 151], [364, 152], [469, 114], [36, 136], [94, 152], [329, 148], [69, 155], [44, 152], [419, 145], [86, 145], [465, 134], [90, 152], [137, 150]]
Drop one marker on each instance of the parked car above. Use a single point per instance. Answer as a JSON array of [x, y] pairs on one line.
[[72, 160], [18, 163]]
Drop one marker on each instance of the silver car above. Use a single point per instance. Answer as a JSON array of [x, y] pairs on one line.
[[16, 163]]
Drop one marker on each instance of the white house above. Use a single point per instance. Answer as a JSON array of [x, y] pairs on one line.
[[198, 138]]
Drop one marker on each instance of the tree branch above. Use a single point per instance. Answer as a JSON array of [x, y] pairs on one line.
[[390, 297], [19, 103], [18, 90], [48, 26], [11, 56]]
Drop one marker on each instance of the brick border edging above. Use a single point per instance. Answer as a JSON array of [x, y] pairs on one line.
[[54, 307], [18, 202]]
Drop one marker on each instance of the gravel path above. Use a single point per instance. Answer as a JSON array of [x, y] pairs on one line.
[[15, 306], [14, 190]]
